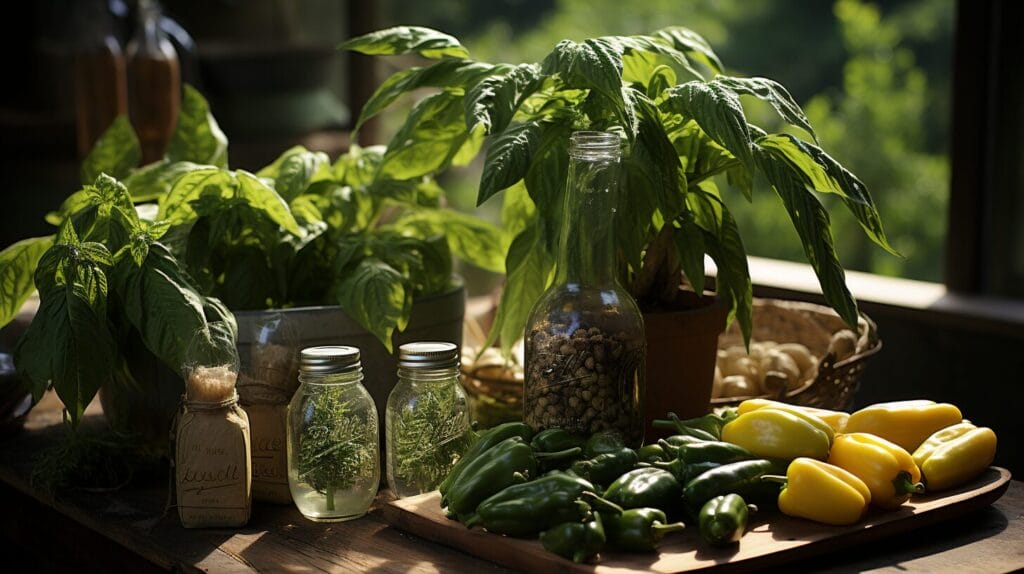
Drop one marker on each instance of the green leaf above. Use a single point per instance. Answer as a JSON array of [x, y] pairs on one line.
[[596, 64], [689, 240], [431, 136], [358, 167], [470, 147], [643, 54], [443, 74], [374, 295], [73, 204], [197, 138], [68, 345], [261, 197], [822, 173], [407, 40], [654, 148], [718, 112], [492, 102], [294, 170], [17, 267], [153, 181], [546, 179], [159, 300], [176, 206], [116, 153], [508, 158], [725, 246], [813, 225], [691, 43], [517, 210], [528, 267], [418, 191], [773, 93], [471, 238]]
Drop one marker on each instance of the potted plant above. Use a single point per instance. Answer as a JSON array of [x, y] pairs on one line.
[[350, 253], [686, 136]]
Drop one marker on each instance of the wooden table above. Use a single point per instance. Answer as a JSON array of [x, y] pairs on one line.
[[125, 531]]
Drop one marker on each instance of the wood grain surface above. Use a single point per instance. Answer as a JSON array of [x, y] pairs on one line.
[[773, 539]]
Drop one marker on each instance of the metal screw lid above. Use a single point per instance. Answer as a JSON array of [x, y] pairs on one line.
[[428, 355], [329, 359]]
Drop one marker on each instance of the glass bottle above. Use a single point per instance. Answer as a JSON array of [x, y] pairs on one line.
[[427, 418], [154, 83], [585, 345], [100, 87], [333, 452]]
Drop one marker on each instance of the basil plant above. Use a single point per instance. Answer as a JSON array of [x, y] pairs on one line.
[[152, 253]]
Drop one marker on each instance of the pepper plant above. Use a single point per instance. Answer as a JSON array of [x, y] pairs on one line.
[[686, 137], [158, 252]]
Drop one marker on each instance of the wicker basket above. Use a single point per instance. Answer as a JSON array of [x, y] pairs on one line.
[[812, 326]]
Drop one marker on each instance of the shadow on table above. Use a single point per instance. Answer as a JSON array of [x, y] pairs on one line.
[[919, 543]]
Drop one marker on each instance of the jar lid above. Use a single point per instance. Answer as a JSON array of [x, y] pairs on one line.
[[329, 359], [428, 355]]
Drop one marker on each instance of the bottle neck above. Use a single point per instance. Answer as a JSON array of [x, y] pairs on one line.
[[586, 254], [150, 40]]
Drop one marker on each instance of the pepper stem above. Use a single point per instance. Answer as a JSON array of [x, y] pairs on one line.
[[666, 528], [904, 484], [567, 453], [472, 521], [601, 504], [776, 478]]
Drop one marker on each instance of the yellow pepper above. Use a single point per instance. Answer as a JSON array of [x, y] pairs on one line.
[[887, 469], [773, 433], [906, 423], [955, 455], [822, 492], [835, 419]]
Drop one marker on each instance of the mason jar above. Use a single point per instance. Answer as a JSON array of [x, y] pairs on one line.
[[427, 418], [333, 453]]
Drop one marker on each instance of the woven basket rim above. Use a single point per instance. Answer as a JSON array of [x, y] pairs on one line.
[[837, 369]]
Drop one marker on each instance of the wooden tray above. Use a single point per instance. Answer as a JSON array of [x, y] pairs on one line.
[[772, 539]]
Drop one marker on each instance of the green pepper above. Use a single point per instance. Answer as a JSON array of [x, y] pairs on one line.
[[647, 488], [524, 510], [651, 453], [488, 439], [685, 472], [509, 462], [554, 440], [577, 541], [605, 468], [681, 439], [734, 478], [710, 425], [603, 442], [723, 519], [638, 529], [707, 451]]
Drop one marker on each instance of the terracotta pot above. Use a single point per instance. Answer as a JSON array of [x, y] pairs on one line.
[[681, 353]]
